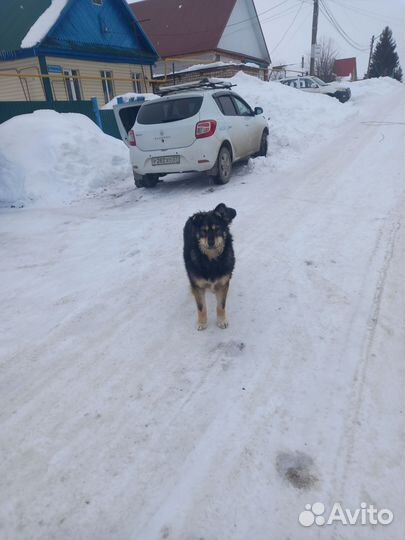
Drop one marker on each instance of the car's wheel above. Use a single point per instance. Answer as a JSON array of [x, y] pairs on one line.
[[263, 145], [224, 166], [148, 180], [138, 181]]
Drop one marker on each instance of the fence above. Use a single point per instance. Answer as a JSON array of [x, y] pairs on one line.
[[104, 119]]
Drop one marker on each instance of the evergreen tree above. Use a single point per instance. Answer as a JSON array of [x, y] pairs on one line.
[[398, 74], [385, 61]]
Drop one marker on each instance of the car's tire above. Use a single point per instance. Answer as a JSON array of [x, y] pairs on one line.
[[138, 181], [223, 165], [264, 146], [147, 181]]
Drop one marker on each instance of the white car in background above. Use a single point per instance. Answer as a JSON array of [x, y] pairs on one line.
[[314, 84], [193, 127]]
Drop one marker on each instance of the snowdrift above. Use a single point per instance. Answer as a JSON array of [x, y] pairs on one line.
[[48, 158]]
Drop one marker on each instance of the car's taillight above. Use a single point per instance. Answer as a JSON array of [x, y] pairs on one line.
[[131, 138], [205, 128]]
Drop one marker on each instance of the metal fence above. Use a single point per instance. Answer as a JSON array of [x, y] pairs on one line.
[[109, 124], [103, 118]]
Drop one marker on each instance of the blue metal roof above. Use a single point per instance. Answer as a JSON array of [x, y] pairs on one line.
[[86, 29]]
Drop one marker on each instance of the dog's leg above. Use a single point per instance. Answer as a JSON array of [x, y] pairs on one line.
[[221, 291], [199, 295]]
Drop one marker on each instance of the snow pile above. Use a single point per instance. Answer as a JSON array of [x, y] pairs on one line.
[[372, 88], [51, 158], [297, 119], [128, 97], [43, 24], [48, 158], [11, 182]]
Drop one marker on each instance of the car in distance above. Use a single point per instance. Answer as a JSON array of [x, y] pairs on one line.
[[195, 127], [315, 85]]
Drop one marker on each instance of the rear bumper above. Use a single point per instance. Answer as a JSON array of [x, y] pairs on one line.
[[200, 156]]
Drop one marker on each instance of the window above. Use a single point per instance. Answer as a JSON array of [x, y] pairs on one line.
[[72, 84], [137, 82], [169, 111], [128, 116], [242, 107], [226, 105], [318, 81], [309, 83], [108, 87]]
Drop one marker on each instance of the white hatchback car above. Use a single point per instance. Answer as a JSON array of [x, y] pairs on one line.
[[197, 127], [309, 83]]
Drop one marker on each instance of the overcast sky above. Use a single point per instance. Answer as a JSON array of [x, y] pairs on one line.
[[360, 19], [287, 27]]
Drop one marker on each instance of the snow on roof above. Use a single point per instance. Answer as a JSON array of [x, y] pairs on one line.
[[197, 67], [43, 24], [127, 98]]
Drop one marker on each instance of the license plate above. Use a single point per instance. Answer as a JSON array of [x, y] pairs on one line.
[[165, 160]]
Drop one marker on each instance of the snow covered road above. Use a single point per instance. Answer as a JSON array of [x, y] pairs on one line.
[[119, 421]]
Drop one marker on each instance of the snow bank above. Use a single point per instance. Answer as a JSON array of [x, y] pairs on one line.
[[43, 24], [48, 158], [11, 182], [297, 119], [370, 88], [127, 97]]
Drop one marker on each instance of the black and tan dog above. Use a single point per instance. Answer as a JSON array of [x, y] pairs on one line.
[[209, 259]]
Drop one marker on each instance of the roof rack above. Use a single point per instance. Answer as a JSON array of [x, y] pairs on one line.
[[208, 84]]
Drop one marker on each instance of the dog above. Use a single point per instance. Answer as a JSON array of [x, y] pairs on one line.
[[209, 259]]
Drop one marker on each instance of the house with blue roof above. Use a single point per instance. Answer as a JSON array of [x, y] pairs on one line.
[[72, 50]]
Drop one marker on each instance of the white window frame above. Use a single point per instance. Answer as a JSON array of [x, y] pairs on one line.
[[137, 82], [73, 89], [108, 84]]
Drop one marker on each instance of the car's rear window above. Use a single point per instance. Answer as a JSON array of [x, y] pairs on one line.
[[128, 116], [172, 110]]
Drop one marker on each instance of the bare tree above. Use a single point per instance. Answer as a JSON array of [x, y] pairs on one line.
[[324, 65]]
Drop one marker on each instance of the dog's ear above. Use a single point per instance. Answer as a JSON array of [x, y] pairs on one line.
[[197, 219], [225, 213]]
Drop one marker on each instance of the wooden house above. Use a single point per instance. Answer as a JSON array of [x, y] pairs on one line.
[[72, 50]]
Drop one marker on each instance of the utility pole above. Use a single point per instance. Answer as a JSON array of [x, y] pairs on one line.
[[371, 54], [314, 33]]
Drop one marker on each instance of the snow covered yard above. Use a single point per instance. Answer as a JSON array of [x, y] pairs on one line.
[[118, 420]]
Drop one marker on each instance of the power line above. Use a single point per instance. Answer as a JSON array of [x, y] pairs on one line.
[[264, 21], [326, 11], [332, 18], [227, 26], [286, 32], [366, 12], [289, 10]]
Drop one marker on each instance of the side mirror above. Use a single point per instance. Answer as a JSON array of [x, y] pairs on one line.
[[258, 110]]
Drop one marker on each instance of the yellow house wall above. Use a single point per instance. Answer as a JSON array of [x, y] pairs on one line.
[[93, 87], [26, 88], [21, 88]]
